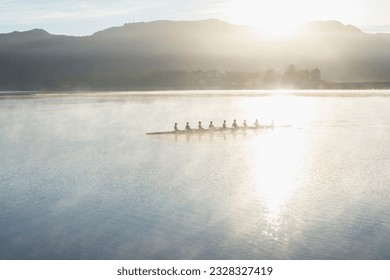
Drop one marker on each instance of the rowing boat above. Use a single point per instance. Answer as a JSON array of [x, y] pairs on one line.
[[214, 130]]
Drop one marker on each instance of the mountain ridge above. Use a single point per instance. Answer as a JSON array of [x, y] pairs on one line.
[[318, 25], [37, 59]]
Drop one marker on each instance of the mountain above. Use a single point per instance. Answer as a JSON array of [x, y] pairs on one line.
[[329, 28], [109, 58], [377, 29]]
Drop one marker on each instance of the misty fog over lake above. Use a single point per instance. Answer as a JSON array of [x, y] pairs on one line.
[[80, 179]]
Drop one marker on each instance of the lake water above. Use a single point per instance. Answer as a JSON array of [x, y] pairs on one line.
[[80, 179]]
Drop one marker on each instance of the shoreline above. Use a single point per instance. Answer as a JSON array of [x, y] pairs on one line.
[[204, 92]]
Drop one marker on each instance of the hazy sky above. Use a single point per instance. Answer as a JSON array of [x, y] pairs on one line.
[[76, 17]]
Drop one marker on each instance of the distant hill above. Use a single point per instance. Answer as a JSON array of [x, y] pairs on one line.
[[110, 59]]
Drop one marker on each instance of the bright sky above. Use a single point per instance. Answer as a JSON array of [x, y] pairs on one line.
[[75, 17]]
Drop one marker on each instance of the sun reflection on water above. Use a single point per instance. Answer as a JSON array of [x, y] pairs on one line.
[[277, 158], [276, 165], [279, 107]]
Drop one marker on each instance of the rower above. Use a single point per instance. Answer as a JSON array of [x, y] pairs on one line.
[[211, 126], [188, 126], [234, 125], [200, 125], [175, 128], [256, 124], [224, 124], [244, 124]]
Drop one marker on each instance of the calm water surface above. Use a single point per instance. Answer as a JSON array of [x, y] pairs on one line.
[[79, 179]]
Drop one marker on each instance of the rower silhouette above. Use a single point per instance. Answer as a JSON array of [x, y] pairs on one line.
[[224, 124]]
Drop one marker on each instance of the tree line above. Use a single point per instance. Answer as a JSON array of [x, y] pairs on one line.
[[291, 77]]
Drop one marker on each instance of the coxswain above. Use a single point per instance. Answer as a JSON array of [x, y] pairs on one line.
[[211, 126], [176, 129], [256, 124], [188, 126], [234, 125], [224, 124], [244, 124], [200, 125]]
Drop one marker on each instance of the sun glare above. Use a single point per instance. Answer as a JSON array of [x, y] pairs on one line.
[[270, 18], [276, 31], [277, 169]]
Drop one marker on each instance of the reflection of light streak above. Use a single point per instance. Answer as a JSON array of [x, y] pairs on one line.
[[279, 108], [277, 157], [276, 165], [279, 164]]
